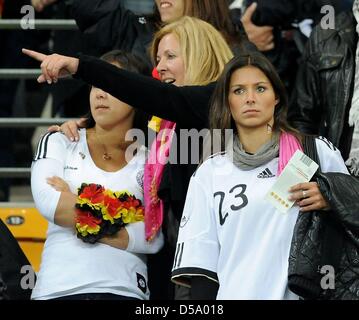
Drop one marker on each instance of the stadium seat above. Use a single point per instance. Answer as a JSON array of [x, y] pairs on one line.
[[29, 228]]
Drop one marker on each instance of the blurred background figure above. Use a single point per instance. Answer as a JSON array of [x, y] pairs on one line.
[[326, 96], [74, 92], [14, 93], [67, 94], [280, 29], [139, 6]]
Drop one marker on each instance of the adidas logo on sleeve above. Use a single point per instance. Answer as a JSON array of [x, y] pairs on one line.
[[265, 174]]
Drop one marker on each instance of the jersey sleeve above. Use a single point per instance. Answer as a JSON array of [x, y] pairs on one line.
[[330, 157], [46, 198], [197, 249], [48, 162], [52, 145], [137, 241]]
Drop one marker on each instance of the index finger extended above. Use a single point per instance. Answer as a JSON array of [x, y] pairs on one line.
[[34, 54]]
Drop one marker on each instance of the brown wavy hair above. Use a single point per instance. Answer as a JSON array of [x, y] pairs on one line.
[[216, 13], [220, 116]]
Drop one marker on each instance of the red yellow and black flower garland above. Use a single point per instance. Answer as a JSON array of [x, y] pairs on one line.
[[101, 212]]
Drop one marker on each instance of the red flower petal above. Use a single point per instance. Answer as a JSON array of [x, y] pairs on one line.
[[93, 192], [86, 218]]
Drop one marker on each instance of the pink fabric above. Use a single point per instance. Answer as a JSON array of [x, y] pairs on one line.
[[154, 166], [288, 145]]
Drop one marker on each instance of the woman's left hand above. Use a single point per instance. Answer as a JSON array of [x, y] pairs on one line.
[[58, 184], [308, 197]]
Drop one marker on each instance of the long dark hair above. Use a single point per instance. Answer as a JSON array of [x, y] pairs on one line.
[[220, 116], [130, 62], [215, 12], [155, 17]]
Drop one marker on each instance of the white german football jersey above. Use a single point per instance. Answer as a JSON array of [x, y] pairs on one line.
[[70, 266], [232, 235]]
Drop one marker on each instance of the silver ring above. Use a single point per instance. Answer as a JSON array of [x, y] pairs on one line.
[[304, 194]]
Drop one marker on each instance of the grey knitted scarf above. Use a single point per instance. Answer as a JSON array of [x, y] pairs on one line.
[[266, 153]]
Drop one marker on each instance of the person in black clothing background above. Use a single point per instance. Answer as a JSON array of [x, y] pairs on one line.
[[70, 98], [284, 17], [325, 83], [10, 57], [108, 25]]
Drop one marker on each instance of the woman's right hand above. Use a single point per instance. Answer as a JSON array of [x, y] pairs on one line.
[[53, 66], [261, 36], [58, 184], [69, 128]]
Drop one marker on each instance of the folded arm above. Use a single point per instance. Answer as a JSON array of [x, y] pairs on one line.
[[57, 207], [56, 203]]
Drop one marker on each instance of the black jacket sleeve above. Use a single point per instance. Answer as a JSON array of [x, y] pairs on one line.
[[305, 112], [188, 106], [273, 12], [282, 13], [108, 25]]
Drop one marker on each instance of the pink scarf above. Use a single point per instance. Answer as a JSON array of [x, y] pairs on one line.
[[154, 167], [288, 145]]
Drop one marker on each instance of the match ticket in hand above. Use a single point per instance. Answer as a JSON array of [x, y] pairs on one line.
[[299, 169]]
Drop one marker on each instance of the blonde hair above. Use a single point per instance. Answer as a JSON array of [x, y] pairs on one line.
[[204, 50]]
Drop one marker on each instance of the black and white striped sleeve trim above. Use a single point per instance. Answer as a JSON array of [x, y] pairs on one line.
[[330, 145], [178, 255], [182, 276], [41, 151]]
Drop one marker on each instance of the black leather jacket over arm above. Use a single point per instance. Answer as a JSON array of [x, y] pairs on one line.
[[342, 193], [307, 249]]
